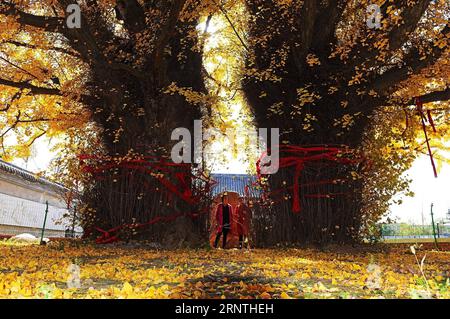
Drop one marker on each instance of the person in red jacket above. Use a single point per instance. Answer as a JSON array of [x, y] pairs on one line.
[[224, 215], [244, 215]]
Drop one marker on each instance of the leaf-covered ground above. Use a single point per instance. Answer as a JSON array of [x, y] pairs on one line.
[[31, 271]]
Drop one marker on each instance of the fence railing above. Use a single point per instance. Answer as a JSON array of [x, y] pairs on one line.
[[394, 231]]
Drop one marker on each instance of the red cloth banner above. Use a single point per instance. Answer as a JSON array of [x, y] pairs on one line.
[[174, 180], [299, 156], [423, 118]]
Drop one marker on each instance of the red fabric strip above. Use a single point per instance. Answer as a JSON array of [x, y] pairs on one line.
[[419, 105], [299, 156]]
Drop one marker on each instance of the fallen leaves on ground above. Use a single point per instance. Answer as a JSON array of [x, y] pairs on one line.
[[126, 272]]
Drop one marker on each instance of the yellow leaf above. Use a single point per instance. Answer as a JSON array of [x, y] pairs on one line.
[[199, 284], [284, 295], [265, 295], [127, 288]]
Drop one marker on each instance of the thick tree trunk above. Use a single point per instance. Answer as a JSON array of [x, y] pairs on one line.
[[137, 119], [321, 81], [297, 99], [329, 210], [331, 200]]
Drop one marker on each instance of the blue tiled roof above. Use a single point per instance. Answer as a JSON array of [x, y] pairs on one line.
[[234, 183], [29, 176]]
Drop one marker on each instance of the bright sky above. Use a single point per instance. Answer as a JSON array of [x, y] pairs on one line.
[[41, 159], [427, 189]]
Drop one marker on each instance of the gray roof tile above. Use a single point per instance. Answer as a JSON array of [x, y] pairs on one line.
[[29, 176], [235, 183]]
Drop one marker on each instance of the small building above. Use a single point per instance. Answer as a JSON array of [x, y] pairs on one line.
[[241, 184], [23, 198]]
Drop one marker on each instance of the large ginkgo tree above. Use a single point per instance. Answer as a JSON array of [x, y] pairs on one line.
[[360, 76]]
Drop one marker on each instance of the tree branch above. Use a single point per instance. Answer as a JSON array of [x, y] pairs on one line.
[[413, 64], [33, 88], [324, 31], [167, 29], [36, 47], [411, 17], [225, 13], [77, 37], [49, 24], [307, 19], [397, 36], [432, 97], [169, 26], [15, 97], [132, 14]]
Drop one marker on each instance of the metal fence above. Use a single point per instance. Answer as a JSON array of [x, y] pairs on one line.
[[404, 231]]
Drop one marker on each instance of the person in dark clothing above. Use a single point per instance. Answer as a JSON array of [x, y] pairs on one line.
[[224, 216]]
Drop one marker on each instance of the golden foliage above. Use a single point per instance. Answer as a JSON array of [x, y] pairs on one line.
[[114, 272]]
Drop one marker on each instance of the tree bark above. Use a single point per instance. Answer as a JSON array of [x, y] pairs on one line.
[[138, 118], [317, 102]]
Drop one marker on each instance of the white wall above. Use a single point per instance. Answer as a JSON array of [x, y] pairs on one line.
[[16, 211], [22, 204], [12, 186]]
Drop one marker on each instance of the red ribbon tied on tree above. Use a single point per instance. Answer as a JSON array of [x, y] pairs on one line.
[[423, 118], [173, 182], [298, 156]]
